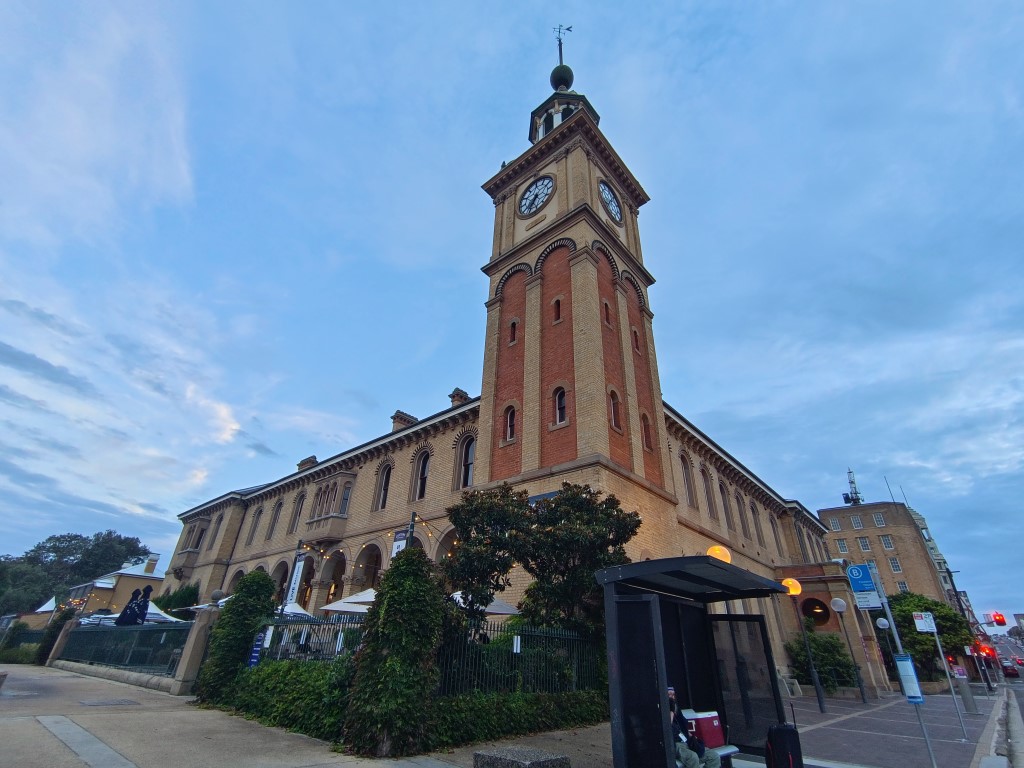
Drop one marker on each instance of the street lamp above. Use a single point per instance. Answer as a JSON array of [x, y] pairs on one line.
[[795, 589], [839, 606]]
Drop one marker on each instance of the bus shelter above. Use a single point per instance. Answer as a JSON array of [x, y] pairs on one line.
[[660, 633]]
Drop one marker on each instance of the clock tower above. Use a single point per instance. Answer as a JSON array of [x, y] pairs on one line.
[[570, 387]]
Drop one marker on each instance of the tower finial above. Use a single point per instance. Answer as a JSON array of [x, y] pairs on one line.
[[560, 33]]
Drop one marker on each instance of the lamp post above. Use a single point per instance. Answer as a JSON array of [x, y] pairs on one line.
[[795, 589], [839, 606]]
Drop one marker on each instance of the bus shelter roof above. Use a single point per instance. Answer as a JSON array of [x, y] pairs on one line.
[[702, 578]]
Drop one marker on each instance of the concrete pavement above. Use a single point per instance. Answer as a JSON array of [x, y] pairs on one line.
[[59, 719]]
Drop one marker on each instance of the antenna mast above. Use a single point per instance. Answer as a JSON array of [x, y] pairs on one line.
[[560, 33], [853, 497]]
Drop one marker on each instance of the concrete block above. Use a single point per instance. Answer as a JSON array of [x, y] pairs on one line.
[[518, 757]]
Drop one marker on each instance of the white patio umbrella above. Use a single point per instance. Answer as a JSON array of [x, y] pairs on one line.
[[494, 608], [360, 602]]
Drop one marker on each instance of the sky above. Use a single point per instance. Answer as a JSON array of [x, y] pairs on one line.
[[233, 235]]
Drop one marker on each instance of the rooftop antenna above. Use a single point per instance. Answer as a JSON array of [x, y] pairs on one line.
[[905, 498], [853, 497], [560, 33]]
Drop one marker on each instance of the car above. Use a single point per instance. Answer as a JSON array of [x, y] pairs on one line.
[[1020, 661], [1010, 670]]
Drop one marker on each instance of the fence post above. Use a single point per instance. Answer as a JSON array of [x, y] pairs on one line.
[[62, 640], [194, 652]]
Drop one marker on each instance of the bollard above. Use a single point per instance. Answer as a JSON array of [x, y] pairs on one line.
[[963, 687]]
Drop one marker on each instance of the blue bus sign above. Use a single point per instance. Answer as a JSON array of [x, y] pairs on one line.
[[860, 578]]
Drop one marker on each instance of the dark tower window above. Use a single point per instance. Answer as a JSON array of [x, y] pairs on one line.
[[468, 456], [559, 406], [636, 340], [383, 485], [422, 469], [510, 423], [645, 429], [346, 497], [558, 310], [613, 407], [512, 332]]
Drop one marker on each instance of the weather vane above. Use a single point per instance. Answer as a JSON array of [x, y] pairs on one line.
[[560, 33]]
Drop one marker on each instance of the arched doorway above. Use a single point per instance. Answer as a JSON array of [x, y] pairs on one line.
[[332, 574], [305, 582], [367, 571], [280, 577], [446, 545], [233, 584]]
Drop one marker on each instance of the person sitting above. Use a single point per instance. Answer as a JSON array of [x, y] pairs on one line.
[[689, 749]]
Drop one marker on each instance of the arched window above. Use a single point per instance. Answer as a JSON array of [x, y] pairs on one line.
[[557, 310], [199, 538], [254, 526], [346, 497], [216, 531], [383, 485], [559, 401], [510, 423], [727, 507], [741, 511], [296, 513], [608, 313], [756, 517], [636, 340], [318, 501], [466, 458], [513, 326], [775, 533], [709, 497], [422, 470], [645, 431], [613, 409], [274, 517], [802, 541], [691, 496]]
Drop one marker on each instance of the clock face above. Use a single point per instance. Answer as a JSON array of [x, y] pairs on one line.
[[536, 195], [611, 202]]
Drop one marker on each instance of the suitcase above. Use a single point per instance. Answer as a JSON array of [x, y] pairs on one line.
[[782, 749]]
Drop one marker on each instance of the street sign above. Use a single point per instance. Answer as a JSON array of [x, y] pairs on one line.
[[924, 622], [860, 578], [868, 600], [959, 673], [399, 542], [905, 668]]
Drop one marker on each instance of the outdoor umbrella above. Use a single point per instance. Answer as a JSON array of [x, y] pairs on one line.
[[130, 613]]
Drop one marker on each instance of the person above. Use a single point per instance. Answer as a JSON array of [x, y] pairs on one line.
[[690, 751]]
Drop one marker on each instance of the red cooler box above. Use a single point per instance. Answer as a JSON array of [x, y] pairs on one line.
[[707, 726]]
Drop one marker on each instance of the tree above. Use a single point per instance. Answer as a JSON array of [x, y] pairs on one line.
[[232, 636], [954, 631], [23, 586], [561, 542], [1016, 633], [396, 667], [479, 565], [833, 663]]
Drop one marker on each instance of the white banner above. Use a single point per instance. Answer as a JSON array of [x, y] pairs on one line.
[[293, 588]]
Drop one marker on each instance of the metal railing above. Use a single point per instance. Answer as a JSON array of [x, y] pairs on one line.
[[151, 648], [24, 637], [320, 640], [494, 658]]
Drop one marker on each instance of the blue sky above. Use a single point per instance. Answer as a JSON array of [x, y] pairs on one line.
[[233, 235]]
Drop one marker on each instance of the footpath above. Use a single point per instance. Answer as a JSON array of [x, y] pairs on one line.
[[52, 718]]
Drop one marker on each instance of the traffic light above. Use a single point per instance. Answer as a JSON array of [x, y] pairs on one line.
[[999, 619]]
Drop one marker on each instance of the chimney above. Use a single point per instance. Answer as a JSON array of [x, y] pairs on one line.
[[459, 396], [151, 563], [306, 463], [401, 420]]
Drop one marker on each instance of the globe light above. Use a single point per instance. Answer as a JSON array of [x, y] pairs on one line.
[[882, 623], [838, 604], [720, 553], [793, 586]]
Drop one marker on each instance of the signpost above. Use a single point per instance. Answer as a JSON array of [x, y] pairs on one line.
[[925, 622], [863, 587]]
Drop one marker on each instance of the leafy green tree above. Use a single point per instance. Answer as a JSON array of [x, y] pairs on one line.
[[954, 631], [50, 635], [23, 586], [1016, 633], [184, 596], [562, 541], [232, 636], [480, 564], [834, 665], [396, 667]]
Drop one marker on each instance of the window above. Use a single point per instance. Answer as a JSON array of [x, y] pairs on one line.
[[274, 517], [775, 532], [645, 431], [726, 507], [510, 424], [801, 540], [894, 563], [841, 546], [383, 486], [871, 562], [708, 496], [513, 326], [857, 524], [879, 520], [744, 525], [887, 542], [865, 545], [607, 313], [902, 586], [756, 517], [636, 340], [254, 526], [216, 530], [559, 401], [557, 310], [296, 514], [691, 498], [833, 523], [346, 497], [422, 470], [613, 406], [466, 458], [199, 538]]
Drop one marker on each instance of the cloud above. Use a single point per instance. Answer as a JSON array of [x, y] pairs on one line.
[[9, 396], [40, 316], [38, 368]]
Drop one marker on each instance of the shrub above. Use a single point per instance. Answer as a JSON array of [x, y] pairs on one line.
[[12, 639], [308, 697], [182, 597], [50, 635], [831, 660], [396, 668], [475, 717], [232, 637], [23, 654]]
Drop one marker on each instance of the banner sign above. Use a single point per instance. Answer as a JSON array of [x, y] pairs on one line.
[[905, 668], [400, 541], [293, 588], [860, 578], [254, 653]]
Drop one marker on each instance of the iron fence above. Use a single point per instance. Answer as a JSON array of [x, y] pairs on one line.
[[151, 648], [319, 640], [493, 658], [23, 637]]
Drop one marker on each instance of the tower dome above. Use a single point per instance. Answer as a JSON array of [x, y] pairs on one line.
[[561, 78]]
